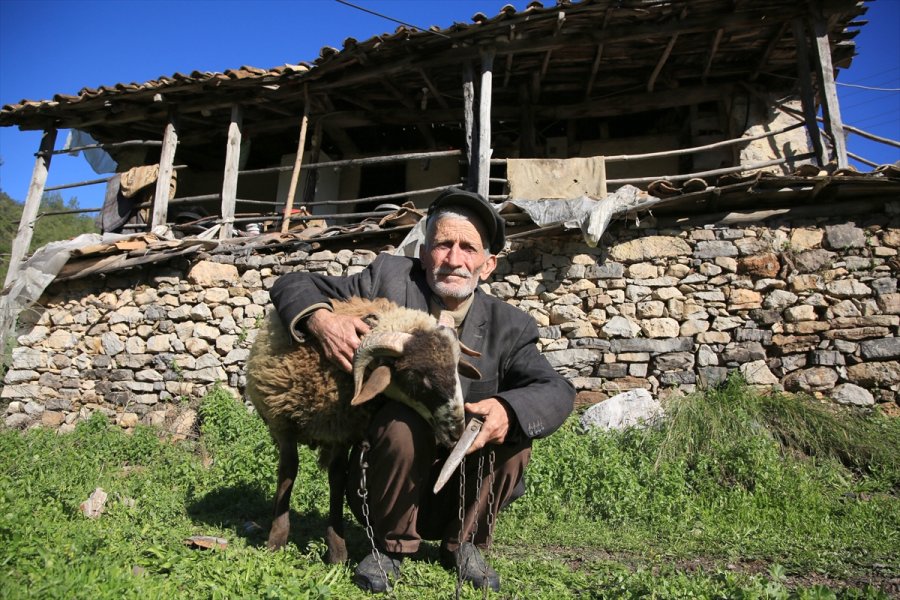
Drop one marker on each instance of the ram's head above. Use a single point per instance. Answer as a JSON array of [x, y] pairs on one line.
[[420, 368]]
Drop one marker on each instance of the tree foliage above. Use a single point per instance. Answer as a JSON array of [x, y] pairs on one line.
[[49, 228]]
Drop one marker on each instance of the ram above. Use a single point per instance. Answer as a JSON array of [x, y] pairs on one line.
[[305, 398]]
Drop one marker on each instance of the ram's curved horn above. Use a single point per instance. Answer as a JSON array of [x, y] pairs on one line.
[[446, 320], [376, 344]]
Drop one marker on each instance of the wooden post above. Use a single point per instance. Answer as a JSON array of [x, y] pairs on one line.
[[230, 178], [807, 97], [164, 179], [831, 110], [484, 121], [22, 243], [469, 121], [298, 160]]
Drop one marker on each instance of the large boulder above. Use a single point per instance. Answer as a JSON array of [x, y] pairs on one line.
[[629, 409]]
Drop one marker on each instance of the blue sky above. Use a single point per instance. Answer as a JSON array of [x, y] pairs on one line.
[[50, 47]]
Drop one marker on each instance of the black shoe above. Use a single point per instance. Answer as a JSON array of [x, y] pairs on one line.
[[470, 566], [370, 573]]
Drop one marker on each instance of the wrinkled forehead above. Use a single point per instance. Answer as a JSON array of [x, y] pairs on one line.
[[443, 220]]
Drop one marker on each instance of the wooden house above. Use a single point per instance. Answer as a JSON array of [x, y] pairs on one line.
[[663, 91]]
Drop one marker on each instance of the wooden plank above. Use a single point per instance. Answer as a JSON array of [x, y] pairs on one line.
[[435, 92], [712, 53], [768, 51], [295, 174], [22, 243], [831, 109], [484, 121], [807, 97], [509, 57], [662, 61], [594, 69], [230, 178], [469, 121], [164, 179]]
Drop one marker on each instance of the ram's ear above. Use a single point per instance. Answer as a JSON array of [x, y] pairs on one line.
[[467, 369], [374, 385]]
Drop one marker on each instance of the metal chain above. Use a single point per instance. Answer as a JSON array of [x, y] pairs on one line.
[[363, 493], [462, 520], [491, 500]]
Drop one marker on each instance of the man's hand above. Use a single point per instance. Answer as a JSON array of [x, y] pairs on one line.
[[496, 416], [338, 334]]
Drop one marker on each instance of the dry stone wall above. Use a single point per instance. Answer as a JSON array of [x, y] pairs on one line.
[[805, 306]]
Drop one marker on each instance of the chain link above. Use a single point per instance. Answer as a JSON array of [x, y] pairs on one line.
[[462, 520], [363, 493]]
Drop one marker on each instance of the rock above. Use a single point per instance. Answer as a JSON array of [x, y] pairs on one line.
[[874, 374], [811, 380], [805, 283], [880, 349], [183, 426], [660, 328], [812, 261], [209, 274], [848, 393], [706, 357], [17, 421], [94, 506], [620, 327], [573, 357], [633, 408], [52, 418], [779, 300], [693, 327], [649, 248], [796, 314], [826, 358], [760, 265], [674, 361], [805, 239], [845, 235], [889, 303], [128, 420], [714, 249], [757, 373], [848, 288], [655, 346]]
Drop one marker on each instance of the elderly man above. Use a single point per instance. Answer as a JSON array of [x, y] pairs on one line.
[[520, 397]]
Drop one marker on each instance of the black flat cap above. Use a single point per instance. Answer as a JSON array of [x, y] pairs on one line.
[[495, 225]]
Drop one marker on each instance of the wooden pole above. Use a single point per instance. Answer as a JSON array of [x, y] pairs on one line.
[[230, 178], [469, 121], [484, 121], [807, 98], [295, 174], [164, 179], [22, 243], [831, 109]]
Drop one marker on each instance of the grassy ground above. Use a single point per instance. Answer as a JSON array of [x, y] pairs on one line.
[[737, 496]]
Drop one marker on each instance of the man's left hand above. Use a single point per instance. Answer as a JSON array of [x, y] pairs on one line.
[[495, 414]]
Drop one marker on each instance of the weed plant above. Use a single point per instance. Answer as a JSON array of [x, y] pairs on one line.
[[736, 495]]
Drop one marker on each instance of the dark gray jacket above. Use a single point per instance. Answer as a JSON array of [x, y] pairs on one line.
[[510, 364]]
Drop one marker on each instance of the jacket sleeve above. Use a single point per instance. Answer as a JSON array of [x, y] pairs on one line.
[[296, 295], [540, 397]]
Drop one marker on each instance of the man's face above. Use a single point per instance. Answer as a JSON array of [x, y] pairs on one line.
[[455, 261]]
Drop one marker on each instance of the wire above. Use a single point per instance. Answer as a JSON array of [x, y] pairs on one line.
[[862, 87], [372, 12]]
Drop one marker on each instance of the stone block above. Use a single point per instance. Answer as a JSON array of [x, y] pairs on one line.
[[760, 265]]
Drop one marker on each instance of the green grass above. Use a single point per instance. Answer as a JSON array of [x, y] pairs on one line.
[[736, 496]]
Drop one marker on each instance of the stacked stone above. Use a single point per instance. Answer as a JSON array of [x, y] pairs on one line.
[[809, 306]]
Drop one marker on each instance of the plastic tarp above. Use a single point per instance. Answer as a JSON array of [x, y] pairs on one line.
[[590, 215], [100, 161], [39, 271]]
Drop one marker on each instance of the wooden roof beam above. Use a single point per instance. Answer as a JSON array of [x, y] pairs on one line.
[[662, 61], [433, 89], [712, 53], [560, 19], [594, 69], [768, 51], [509, 57]]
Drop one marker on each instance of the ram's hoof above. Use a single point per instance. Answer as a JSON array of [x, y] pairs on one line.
[[337, 549]]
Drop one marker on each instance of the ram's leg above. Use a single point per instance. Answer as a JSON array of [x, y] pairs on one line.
[[337, 484], [287, 472]]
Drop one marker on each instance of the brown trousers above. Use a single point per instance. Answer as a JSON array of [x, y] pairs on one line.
[[403, 465]]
